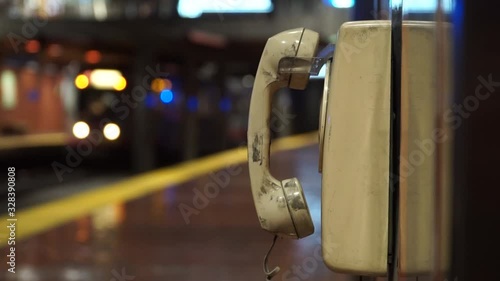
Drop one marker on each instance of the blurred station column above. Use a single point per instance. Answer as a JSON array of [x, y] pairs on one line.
[[224, 107], [143, 146], [476, 241], [190, 115], [366, 9], [371, 10]]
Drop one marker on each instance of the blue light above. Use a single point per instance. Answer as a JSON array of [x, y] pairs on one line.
[[195, 8], [225, 105], [192, 104], [426, 6], [33, 95], [166, 96], [150, 100], [340, 3]]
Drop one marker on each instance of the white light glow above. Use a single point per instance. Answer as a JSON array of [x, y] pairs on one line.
[[28, 273], [54, 7], [425, 6], [248, 81], [195, 8], [9, 89], [342, 3], [321, 74], [111, 131], [105, 79], [81, 130], [100, 10]]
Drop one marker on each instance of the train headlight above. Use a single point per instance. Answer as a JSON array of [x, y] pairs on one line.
[[81, 130], [111, 131]]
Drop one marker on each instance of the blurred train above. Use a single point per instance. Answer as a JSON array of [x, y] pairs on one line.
[[91, 99], [107, 107], [85, 104], [99, 91]]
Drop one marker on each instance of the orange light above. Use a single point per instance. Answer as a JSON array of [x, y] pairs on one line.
[[32, 46], [93, 56], [54, 50], [121, 84], [168, 84], [81, 81], [159, 84]]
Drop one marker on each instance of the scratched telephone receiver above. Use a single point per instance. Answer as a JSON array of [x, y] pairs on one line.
[[281, 205], [354, 147]]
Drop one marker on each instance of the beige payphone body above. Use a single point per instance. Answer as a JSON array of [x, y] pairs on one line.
[[355, 146]]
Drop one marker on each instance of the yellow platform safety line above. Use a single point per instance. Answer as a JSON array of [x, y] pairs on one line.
[[41, 218], [41, 140]]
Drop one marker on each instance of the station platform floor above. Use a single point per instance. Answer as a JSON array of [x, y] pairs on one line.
[[193, 221]]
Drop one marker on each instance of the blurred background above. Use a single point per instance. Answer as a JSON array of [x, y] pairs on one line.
[[106, 105], [155, 82]]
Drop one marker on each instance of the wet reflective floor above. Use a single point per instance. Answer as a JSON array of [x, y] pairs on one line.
[[204, 229]]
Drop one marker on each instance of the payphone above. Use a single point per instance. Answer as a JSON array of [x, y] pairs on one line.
[[360, 232]]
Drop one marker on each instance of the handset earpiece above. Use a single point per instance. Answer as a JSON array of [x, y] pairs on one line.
[[281, 205]]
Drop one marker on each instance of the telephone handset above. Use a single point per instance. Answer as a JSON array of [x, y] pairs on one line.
[[355, 146], [281, 205]]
